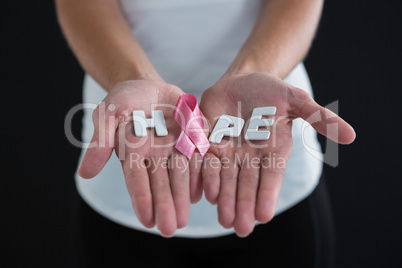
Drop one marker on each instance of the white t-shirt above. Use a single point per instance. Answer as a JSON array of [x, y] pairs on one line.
[[191, 43]]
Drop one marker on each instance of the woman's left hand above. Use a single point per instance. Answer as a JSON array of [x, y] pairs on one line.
[[246, 183]]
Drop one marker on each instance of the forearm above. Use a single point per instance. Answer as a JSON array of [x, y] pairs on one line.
[[102, 41], [280, 39]]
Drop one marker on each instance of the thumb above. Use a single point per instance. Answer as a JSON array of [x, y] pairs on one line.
[[101, 147], [323, 120]]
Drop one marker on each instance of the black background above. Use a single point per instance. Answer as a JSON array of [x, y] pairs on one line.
[[355, 58]]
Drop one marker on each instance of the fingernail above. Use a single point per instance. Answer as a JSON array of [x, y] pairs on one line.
[[242, 236], [167, 236]]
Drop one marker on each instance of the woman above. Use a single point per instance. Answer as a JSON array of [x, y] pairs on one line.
[[233, 55]]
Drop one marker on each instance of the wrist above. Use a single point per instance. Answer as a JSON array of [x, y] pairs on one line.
[[132, 76], [149, 76], [247, 63]]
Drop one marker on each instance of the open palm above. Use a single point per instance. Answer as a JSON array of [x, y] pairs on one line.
[[156, 175], [246, 182]]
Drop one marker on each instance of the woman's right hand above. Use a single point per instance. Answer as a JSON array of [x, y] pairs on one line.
[[156, 174], [103, 42]]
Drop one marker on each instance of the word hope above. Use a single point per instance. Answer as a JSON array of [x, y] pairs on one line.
[[227, 125]]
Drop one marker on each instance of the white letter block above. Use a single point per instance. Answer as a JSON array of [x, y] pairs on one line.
[[222, 128], [256, 122], [141, 123]]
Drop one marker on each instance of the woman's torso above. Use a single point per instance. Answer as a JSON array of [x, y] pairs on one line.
[[191, 43]]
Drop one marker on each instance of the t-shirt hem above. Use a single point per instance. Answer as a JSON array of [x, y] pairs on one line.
[[121, 218]]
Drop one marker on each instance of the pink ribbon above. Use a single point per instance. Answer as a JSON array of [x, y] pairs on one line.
[[188, 115]]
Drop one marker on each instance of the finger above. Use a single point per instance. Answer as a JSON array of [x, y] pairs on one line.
[[165, 214], [102, 143], [179, 182], [271, 179], [195, 178], [137, 182], [227, 193], [211, 168], [323, 120], [246, 197]]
